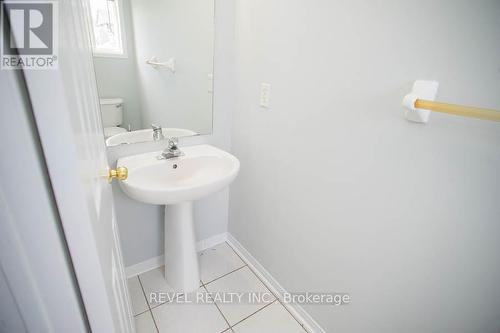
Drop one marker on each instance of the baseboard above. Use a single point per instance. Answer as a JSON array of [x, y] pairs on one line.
[[296, 310], [144, 266], [211, 242], [156, 262]]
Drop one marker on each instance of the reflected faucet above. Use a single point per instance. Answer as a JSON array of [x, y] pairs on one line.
[[172, 150], [157, 132]]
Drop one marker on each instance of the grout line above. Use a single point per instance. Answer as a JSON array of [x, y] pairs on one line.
[[264, 284], [220, 277], [154, 321], [268, 288], [222, 314], [147, 302], [250, 315], [157, 305], [258, 278], [143, 312], [143, 292]]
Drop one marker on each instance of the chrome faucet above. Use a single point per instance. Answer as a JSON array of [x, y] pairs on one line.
[[172, 150], [157, 133]]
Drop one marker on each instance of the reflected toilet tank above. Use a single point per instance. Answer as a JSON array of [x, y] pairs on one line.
[[112, 116]]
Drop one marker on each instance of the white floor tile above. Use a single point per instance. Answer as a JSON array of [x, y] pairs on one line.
[[139, 304], [241, 281], [144, 323], [217, 261], [272, 319], [154, 282], [175, 317]]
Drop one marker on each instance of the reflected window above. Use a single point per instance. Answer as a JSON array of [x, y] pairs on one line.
[[107, 28]]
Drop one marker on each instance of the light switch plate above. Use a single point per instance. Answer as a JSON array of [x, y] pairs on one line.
[[265, 94]]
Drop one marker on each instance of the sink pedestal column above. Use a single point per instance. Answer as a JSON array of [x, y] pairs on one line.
[[181, 260]]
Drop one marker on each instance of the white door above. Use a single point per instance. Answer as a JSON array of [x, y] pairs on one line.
[[66, 108]]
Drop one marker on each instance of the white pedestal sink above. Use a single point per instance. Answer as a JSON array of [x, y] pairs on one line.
[[176, 183]]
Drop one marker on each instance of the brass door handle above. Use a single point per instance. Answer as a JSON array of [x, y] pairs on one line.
[[120, 173]]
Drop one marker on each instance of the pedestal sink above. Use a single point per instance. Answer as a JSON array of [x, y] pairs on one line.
[[176, 183]]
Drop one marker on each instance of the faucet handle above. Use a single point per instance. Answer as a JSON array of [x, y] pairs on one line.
[[157, 132], [173, 142]]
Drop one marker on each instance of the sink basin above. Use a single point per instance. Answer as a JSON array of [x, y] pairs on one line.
[[176, 183], [146, 135], [202, 170]]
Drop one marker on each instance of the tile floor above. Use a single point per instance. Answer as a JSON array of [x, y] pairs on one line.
[[223, 273]]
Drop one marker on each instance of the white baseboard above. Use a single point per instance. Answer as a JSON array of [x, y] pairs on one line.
[[156, 262], [296, 310], [211, 242], [144, 266]]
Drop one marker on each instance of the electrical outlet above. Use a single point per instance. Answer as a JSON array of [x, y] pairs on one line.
[[265, 94]]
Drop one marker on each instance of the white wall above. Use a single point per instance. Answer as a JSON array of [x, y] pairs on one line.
[[117, 77], [183, 30], [141, 225], [338, 192]]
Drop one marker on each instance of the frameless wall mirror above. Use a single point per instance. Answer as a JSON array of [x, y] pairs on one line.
[[154, 67]]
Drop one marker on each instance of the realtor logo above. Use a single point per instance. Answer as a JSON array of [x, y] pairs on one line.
[[29, 35]]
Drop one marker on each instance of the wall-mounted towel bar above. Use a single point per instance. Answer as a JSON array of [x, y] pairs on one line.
[[458, 110], [420, 102], [156, 64]]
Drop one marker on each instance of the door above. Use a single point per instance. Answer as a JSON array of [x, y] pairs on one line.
[[66, 110]]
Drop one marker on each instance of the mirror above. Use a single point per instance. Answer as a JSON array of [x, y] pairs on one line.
[[154, 66]]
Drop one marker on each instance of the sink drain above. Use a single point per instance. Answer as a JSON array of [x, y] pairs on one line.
[[174, 166]]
